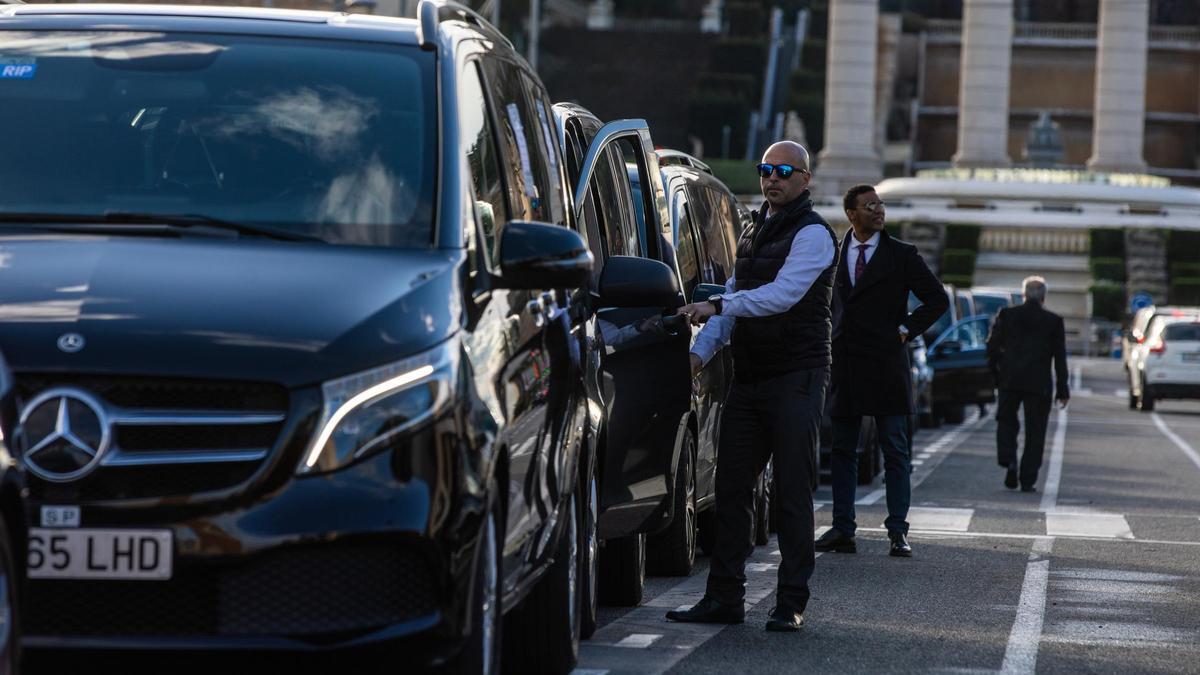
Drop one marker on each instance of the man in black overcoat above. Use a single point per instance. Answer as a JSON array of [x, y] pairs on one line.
[[1023, 342], [871, 371]]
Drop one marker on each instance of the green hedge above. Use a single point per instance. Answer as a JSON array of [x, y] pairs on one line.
[[738, 175], [965, 237], [1185, 291], [1107, 243], [1108, 300], [730, 84], [746, 56], [1108, 269], [958, 262], [958, 280], [1183, 246], [748, 19], [1181, 270], [710, 111]]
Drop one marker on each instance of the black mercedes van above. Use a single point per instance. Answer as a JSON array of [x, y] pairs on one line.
[[295, 306]]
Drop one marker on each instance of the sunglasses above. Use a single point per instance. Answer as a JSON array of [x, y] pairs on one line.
[[873, 207], [785, 171]]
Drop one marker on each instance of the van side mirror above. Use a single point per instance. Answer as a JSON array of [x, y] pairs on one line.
[[705, 291], [629, 281], [540, 255]]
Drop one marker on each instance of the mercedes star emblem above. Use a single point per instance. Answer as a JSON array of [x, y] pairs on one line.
[[66, 433], [70, 342]]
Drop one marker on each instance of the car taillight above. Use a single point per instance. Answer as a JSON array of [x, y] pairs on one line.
[[1158, 347]]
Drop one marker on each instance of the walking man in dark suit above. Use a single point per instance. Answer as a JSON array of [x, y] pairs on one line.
[[871, 376], [776, 315], [1024, 340]]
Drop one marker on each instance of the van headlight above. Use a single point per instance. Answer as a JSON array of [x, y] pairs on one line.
[[364, 412]]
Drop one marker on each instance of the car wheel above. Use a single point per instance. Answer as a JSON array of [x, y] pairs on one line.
[[481, 654], [673, 551], [762, 507], [542, 636], [623, 571], [589, 556], [869, 461]]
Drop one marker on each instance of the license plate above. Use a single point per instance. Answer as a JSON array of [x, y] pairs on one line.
[[99, 554], [1192, 357]]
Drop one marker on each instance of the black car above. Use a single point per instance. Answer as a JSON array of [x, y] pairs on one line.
[[298, 319], [961, 376], [10, 524]]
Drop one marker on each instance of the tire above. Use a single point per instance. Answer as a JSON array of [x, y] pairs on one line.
[[10, 630], [868, 463], [762, 507], [672, 552], [623, 571], [542, 636], [1146, 400], [481, 654], [589, 556]]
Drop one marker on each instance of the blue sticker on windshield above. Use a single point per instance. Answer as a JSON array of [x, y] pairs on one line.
[[17, 69]]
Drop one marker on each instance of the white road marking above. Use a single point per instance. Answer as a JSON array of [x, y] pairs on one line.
[[1077, 377], [1112, 525], [1121, 392], [930, 518], [1021, 654], [918, 462], [638, 640], [1054, 475], [1097, 606], [942, 534], [1179, 442]]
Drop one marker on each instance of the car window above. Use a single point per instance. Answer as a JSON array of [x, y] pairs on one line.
[[970, 334], [964, 305], [202, 125], [1182, 332], [549, 138], [483, 160], [717, 232], [685, 246], [615, 198], [528, 175]]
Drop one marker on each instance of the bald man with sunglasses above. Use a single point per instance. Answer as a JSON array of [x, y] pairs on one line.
[[776, 313]]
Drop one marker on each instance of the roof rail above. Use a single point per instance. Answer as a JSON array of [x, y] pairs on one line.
[[432, 12]]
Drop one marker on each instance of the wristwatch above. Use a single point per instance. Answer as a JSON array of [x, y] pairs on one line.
[[715, 301]]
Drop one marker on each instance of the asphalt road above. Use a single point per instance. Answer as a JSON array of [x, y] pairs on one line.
[[1098, 571]]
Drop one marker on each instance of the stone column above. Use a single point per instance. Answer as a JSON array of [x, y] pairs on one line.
[[849, 154], [1120, 114], [983, 84]]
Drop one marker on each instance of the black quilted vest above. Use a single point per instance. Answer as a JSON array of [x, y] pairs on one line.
[[799, 338]]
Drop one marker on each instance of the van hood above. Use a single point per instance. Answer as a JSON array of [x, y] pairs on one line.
[[291, 313]]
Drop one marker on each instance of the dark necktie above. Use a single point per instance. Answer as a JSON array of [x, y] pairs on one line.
[[861, 265]]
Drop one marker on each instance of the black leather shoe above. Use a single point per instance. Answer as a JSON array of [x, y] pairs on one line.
[[1028, 488], [709, 610], [900, 547], [835, 541], [1010, 479], [784, 620]]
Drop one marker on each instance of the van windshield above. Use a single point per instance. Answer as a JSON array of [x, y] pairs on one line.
[[324, 139]]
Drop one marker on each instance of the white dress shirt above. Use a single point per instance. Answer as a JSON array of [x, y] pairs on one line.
[[811, 253], [872, 245]]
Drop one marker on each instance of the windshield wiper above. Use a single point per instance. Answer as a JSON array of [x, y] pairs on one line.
[[113, 221]]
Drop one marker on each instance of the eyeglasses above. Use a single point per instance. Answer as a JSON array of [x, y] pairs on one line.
[[873, 207], [785, 171]]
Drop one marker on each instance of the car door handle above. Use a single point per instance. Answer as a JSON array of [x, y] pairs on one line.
[[537, 309]]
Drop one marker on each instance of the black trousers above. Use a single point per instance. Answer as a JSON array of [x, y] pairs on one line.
[[1037, 415], [779, 419]]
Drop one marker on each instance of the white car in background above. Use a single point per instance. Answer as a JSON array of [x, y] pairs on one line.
[[1140, 327], [1167, 363]]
